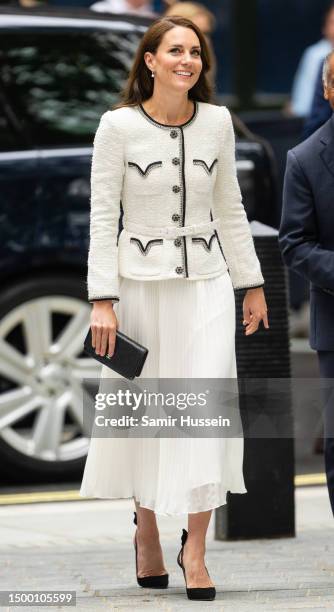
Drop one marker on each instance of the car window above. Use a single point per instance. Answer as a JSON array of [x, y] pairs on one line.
[[8, 140], [59, 83]]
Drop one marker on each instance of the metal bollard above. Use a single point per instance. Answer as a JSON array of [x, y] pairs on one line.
[[267, 510]]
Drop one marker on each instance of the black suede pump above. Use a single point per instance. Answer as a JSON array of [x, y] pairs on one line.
[[151, 582], [201, 593]]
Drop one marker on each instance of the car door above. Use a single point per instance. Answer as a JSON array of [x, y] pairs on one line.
[[58, 77], [19, 187]]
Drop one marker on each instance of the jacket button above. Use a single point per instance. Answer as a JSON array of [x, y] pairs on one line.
[[176, 161], [177, 242], [173, 134], [178, 270], [176, 217], [176, 188]]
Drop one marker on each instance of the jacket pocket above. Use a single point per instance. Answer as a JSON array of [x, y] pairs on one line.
[[143, 257], [145, 249], [208, 168], [206, 243], [204, 174], [205, 256], [145, 170], [144, 178]]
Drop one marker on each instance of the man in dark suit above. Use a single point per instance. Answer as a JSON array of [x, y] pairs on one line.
[[306, 238]]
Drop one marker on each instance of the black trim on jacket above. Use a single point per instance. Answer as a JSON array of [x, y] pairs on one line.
[[148, 169], [145, 249], [202, 240], [201, 162], [183, 202]]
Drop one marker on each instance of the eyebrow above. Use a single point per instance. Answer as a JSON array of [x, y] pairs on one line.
[[194, 47]]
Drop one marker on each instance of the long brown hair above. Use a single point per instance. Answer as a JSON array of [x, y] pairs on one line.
[[139, 86]]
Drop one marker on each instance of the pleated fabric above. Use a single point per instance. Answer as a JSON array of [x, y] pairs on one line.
[[189, 328]]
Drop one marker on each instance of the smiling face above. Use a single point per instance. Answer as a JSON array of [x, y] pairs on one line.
[[177, 62], [329, 85]]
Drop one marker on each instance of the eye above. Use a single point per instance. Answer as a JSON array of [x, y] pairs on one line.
[[195, 51]]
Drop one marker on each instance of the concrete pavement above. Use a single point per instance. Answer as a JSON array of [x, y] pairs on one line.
[[86, 546]]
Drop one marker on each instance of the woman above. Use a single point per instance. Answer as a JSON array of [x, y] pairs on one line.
[[169, 155]]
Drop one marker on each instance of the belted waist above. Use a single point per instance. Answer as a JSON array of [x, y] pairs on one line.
[[171, 232]]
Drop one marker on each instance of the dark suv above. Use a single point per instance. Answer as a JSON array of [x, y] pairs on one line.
[[59, 71]]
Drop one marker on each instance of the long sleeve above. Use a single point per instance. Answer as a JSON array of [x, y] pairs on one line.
[[107, 174], [235, 233], [298, 234]]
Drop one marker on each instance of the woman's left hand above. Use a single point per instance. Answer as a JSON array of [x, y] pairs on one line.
[[254, 310]]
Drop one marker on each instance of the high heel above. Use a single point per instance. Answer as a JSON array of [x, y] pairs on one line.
[[199, 593], [152, 582]]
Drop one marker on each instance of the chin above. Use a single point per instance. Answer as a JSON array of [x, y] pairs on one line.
[[178, 89], [184, 86]]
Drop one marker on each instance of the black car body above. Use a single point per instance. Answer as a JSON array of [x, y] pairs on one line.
[[59, 71]]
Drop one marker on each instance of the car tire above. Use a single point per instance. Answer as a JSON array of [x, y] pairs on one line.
[[60, 300]]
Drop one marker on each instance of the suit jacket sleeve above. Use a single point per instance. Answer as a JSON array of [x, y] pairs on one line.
[[237, 241], [106, 188], [298, 234]]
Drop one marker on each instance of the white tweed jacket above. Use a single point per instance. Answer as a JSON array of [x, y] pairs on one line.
[[183, 211]]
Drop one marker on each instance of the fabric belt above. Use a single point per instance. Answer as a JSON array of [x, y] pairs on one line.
[[171, 232]]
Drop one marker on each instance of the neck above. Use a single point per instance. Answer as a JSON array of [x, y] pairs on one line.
[[168, 107]]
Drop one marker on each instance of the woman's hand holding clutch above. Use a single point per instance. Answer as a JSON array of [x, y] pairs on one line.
[[103, 324]]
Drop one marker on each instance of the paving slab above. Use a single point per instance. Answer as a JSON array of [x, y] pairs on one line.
[[86, 546]]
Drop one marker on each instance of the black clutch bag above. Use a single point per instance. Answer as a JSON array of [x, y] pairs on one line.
[[128, 358]]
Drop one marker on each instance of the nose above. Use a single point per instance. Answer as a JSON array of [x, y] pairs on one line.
[[186, 59]]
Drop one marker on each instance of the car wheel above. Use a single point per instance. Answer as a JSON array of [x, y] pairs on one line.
[[43, 322]]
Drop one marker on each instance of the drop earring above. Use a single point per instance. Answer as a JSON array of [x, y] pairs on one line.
[[152, 74]]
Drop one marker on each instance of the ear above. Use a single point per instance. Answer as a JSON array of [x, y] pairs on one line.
[[326, 95], [149, 60]]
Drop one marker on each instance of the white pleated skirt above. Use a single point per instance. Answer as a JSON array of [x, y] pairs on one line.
[[189, 328]]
